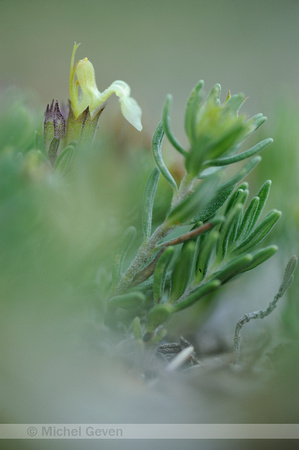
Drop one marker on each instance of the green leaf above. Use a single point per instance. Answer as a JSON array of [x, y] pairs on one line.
[[229, 229], [130, 300], [226, 140], [242, 173], [263, 196], [214, 95], [205, 253], [261, 256], [235, 226], [193, 204], [214, 205], [157, 316], [254, 123], [237, 197], [254, 211], [260, 232], [148, 202], [248, 221], [63, 161], [167, 129], [193, 104], [196, 295], [157, 152], [236, 158], [209, 171], [226, 229], [161, 272], [182, 271], [233, 268]]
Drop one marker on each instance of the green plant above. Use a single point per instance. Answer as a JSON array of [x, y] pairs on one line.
[[208, 236], [170, 254]]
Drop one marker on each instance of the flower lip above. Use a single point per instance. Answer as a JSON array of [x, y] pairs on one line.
[[90, 96]]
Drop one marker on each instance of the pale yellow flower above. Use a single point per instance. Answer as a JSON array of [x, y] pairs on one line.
[[82, 75]]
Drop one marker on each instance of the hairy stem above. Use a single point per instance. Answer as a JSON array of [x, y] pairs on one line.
[[147, 248]]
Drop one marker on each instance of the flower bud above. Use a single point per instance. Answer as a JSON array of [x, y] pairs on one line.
[[54, 124]]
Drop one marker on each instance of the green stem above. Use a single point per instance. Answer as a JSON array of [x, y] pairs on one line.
[[148, 247], [144, 254], [184, 189]]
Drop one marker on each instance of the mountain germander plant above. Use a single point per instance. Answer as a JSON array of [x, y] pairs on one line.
[[210, 232]]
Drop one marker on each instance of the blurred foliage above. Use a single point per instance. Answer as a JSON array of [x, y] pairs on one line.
[[283, 164], [68, 241], [140, 255]]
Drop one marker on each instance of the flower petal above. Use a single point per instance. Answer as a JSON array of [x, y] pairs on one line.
[[129, 107], [131, 111]]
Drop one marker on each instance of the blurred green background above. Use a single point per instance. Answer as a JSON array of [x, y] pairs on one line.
[[157, 47]]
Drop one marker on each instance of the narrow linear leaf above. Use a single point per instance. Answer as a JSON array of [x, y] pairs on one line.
[[148, 202], [225, 141], [196, 295], [157, 152], [226, 229], [261, 256], [248, 221], [161, 272], [234, 268], [229, 229], [263, 196], [255, 122], [236, 158], [209, 171], [193, 204], [214, 95], [239, 196], [167, 129], [235, 229], [63, 161], [214, 205], [235, 196], [205, 254], [192, 108], [242, 173], [182, 271], [260, 232]]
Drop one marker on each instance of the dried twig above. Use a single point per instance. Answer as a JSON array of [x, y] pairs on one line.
[[285, 284]]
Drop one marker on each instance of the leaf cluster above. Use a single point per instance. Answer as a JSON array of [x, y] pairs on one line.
[[210, 234]]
